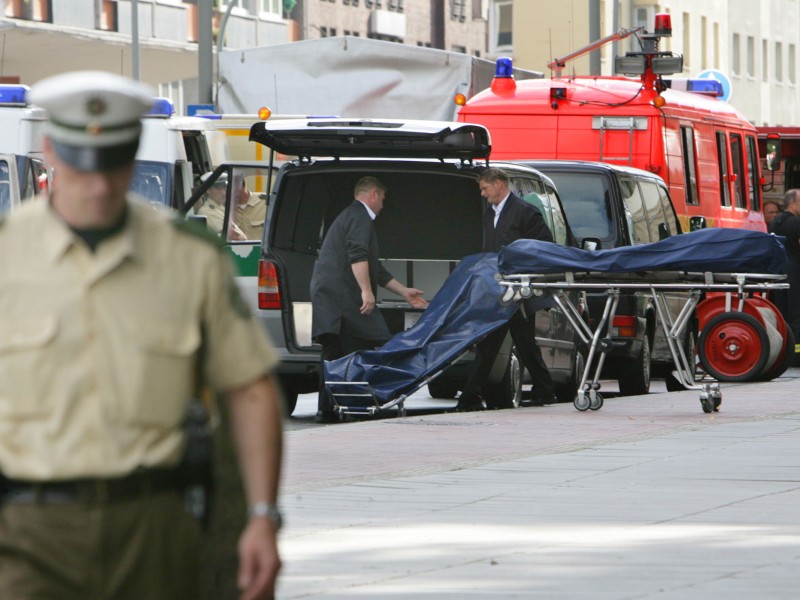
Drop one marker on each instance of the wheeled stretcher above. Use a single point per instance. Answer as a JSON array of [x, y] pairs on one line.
[[463, 312], [736, 268]]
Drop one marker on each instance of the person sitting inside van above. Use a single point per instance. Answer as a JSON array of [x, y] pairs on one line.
[[213, 208]]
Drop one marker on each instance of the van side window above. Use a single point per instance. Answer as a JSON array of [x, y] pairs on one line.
[[634, 211], [587, 201], [669, 211], [689, 165], [652, 207], [559, 222], [5, 188], [724, 175]]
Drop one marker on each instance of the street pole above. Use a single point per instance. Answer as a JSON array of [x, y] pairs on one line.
[[205, 53], [135, 39]]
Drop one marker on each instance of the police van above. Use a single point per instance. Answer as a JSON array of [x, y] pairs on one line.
[[173, 154], [22, 168]]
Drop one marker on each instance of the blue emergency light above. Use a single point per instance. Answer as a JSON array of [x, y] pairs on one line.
[[712, 87], [12, 94], [504, 67], [162, 107]]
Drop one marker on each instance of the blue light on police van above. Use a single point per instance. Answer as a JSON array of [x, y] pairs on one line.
[[711, 87], [162, 107], [13, 94], [503, 67]]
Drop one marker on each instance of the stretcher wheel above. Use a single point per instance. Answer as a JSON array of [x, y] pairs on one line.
[[582, 401], [597, 403], [733, 346]]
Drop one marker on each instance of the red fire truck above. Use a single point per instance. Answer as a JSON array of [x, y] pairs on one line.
[[705, 150]]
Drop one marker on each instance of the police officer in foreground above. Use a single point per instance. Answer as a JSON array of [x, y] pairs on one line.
[[106, 306]]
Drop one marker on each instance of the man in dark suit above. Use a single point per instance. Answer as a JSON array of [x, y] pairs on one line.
[[509, 218], [344, 284]]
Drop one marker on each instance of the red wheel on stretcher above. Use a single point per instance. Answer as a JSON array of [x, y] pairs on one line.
[[768, 317], [733, 346]]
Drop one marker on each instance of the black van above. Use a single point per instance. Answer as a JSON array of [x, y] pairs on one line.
[[609, 206], [431, 219]]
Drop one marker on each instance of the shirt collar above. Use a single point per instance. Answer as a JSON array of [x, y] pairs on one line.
[[498, 208], [372, 215], [60, 238]]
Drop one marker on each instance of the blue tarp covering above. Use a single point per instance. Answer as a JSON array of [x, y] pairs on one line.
[[464, 311], [719, 250]]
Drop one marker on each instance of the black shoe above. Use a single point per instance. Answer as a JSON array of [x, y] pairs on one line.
[[540, 400], [470, 404], [327, 417]]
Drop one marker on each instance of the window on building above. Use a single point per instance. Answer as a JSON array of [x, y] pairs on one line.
[[778, 61], [703, 43], [501, 25], [792, 64], [736, 60], [687, 41], [461, 49], [764, 60], [716, 45], [458, 10], [751, 56]]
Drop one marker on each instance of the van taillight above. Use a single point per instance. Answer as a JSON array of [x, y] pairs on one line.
[[269, 294], [625, 325]]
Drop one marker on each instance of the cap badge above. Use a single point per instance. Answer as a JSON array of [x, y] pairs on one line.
[[96, 106]]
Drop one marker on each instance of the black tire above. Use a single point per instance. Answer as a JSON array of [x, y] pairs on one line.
[[290, 392], [635, 380], [567, 392], [507, 393], [442, 389], [779, 368], [751, 364]]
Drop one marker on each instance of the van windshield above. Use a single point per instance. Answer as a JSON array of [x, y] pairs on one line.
[[587, 202], [153, 181]]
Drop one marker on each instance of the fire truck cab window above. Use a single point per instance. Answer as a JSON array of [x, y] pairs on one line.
[[737, 164], [752, 171], [724, 174], [689, 164]]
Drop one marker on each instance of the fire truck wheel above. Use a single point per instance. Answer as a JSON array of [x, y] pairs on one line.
[[733, 347]]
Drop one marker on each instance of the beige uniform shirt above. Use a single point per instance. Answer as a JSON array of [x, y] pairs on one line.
[[250, 217], [97, 350], [214, 213]]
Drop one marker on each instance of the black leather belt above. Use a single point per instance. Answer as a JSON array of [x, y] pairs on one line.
[[93, 491]]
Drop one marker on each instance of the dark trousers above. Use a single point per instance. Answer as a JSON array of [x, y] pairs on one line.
[[146, 547], [523, 332], [333, 347]]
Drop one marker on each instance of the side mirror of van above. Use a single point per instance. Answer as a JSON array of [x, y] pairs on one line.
[[591, 244], [697, 223], [773, 147]]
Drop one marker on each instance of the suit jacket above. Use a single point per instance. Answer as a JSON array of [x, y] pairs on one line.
[[335, 293], [519, 220]]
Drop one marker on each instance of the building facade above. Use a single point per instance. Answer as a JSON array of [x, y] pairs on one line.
[[753, 43]]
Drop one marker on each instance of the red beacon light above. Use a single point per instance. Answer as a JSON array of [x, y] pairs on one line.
[[663, 24], [503, 83]]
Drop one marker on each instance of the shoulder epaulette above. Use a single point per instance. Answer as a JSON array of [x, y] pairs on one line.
[[197, 230]]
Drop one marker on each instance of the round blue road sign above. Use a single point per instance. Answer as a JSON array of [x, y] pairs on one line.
[[719, 76]]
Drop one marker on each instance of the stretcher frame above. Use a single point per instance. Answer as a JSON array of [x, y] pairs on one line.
[[656, 284], [357, 397]]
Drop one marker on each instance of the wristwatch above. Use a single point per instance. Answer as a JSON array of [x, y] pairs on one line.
[[270, 511]]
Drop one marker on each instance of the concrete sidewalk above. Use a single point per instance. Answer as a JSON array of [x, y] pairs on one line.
[[646, 498]]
